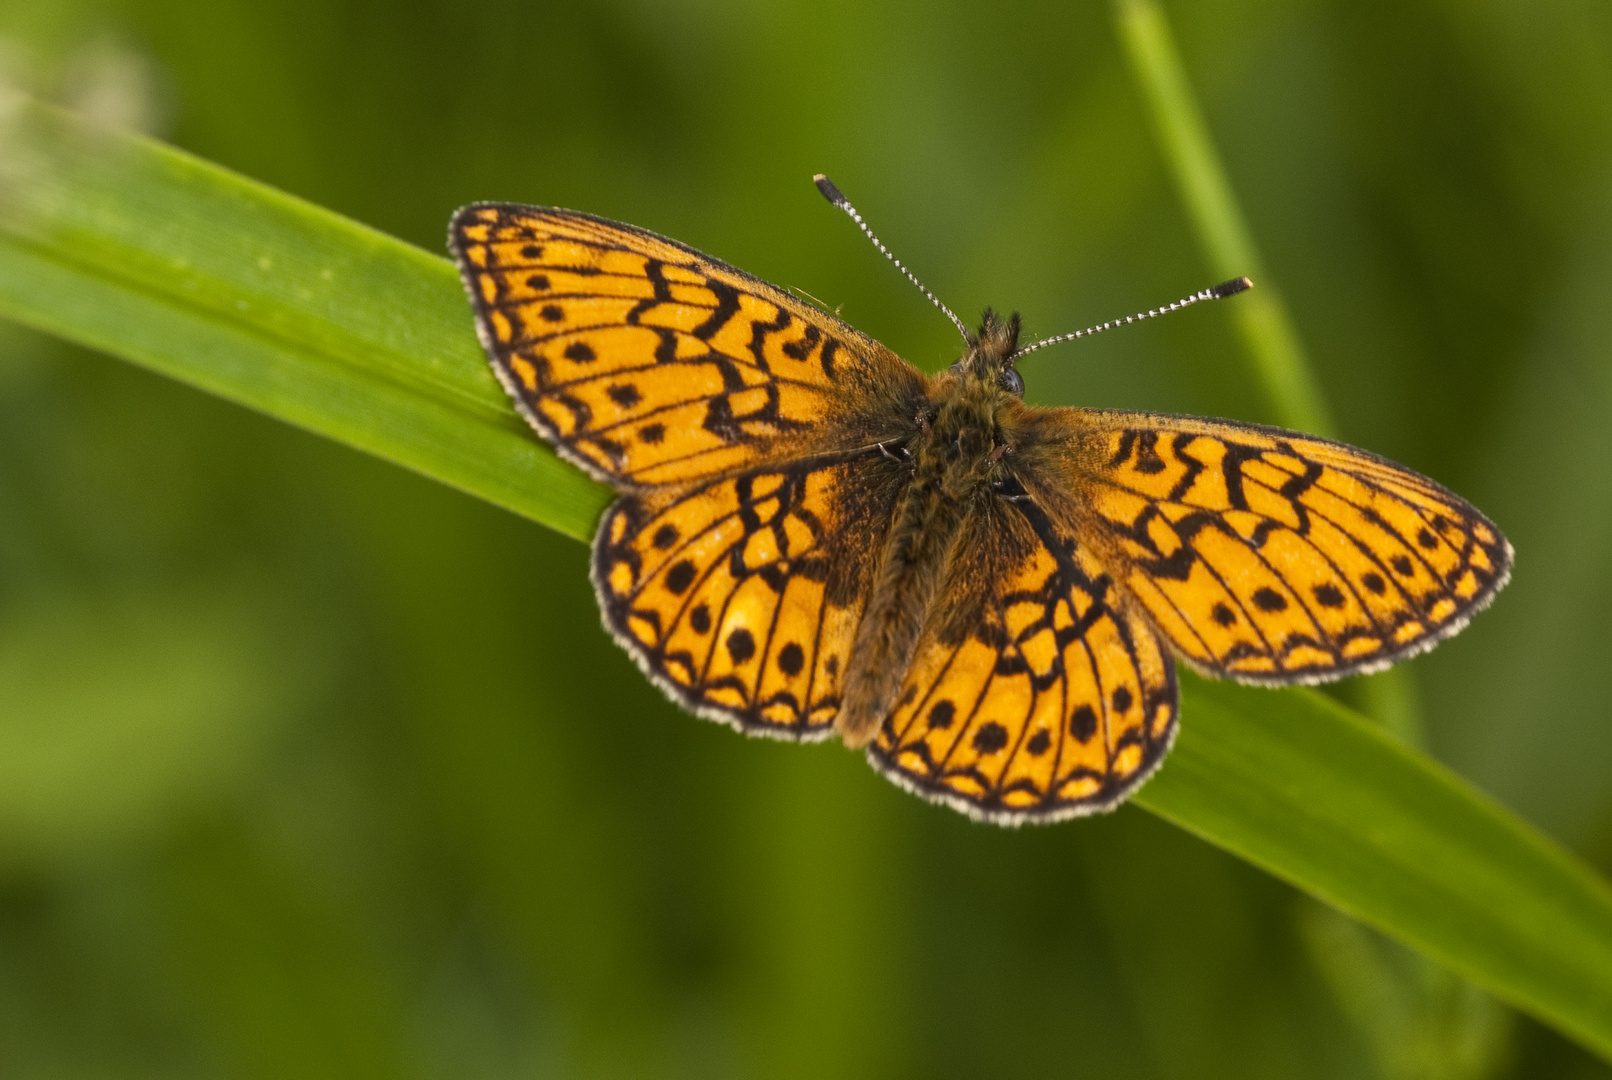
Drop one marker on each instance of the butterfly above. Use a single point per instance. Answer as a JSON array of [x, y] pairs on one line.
[[812, 538]]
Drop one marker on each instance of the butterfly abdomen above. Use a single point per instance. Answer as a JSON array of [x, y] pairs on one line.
[[904, 586]]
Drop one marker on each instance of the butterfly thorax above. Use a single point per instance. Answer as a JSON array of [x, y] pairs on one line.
[[957, 458], [973, 402]]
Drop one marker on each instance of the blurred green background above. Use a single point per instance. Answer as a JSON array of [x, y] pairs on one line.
[[311, 767]]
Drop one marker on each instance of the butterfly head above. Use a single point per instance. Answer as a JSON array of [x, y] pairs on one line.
[[990, 353]]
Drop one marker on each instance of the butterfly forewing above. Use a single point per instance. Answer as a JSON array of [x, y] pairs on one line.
[[1035, 694], [649, 363], [1274, 557]]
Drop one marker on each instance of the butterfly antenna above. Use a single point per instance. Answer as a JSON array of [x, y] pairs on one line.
[[837, 197], [1218, 292]]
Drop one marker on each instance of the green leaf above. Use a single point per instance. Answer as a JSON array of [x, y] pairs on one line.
[[151, 255], [1322, 797], [141, 251]]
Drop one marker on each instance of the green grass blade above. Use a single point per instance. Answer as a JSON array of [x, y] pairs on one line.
[[154, 256], [1324, 798], [1260, 316], [148, 254]]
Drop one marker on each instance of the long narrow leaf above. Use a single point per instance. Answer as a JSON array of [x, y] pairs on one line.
[[148, 254], [156, 257]]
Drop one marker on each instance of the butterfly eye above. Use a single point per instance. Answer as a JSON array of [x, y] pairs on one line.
[[1011, 381]]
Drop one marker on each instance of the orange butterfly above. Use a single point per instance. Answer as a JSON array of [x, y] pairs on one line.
[[814, 538]]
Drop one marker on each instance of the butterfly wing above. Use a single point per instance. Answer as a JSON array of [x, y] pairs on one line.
[[740, 596], [1273, 557], [646, 362], [1035, 693]]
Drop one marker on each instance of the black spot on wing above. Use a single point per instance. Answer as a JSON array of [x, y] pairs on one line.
[[1083, 723], [680, 577], [990, 738], [741, 645], [1267, 599]]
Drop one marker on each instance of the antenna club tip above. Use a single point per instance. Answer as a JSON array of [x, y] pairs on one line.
[[830, 192], [1231, 288]]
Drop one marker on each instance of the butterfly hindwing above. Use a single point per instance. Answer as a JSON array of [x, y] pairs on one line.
[[646, 362], [1035, 693], [741, 596], [1273, 557]]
